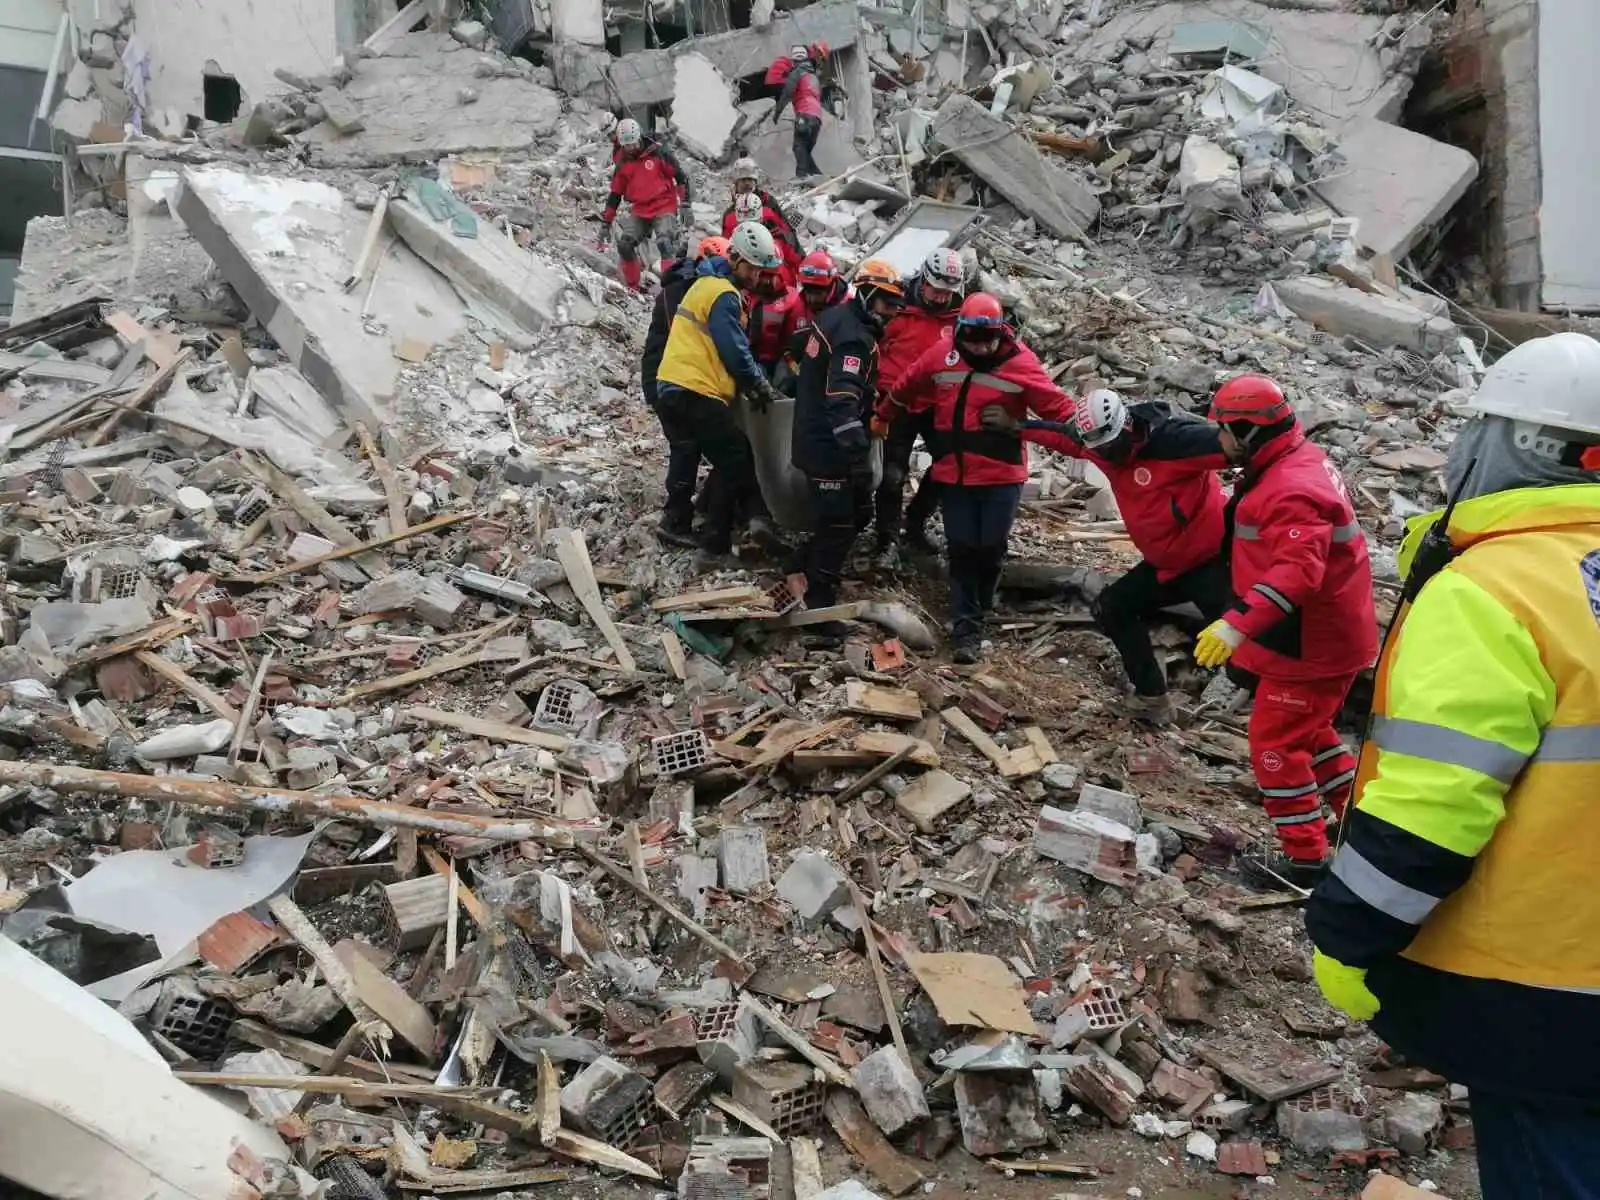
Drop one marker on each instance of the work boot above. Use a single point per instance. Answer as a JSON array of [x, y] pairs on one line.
[[886, 557], [1276, 868], [917, 540], [967, 649], [768, 538], [677, 528], [1153, 710]]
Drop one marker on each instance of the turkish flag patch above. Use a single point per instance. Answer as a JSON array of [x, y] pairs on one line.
[[850, 365]]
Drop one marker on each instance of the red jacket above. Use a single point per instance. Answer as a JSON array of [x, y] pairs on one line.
[[773, 323], [782, 234], [908, 336], [1167, 490], [653, 184], [942, 383], [800, 87], [1300, 568]]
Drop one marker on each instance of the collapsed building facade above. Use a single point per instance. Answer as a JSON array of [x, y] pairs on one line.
[[497, 846]]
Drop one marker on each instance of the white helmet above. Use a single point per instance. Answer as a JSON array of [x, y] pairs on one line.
[[799, 53], [752, 243], [628, 132], [944, 269], [745, 168], [747, 207], [1101, 416], [1552, 381]]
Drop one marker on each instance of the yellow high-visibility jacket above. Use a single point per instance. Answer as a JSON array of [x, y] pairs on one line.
[[691, 360], [1469, 875]]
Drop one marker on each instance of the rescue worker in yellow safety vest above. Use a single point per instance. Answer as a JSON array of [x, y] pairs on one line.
[[1462, 912]]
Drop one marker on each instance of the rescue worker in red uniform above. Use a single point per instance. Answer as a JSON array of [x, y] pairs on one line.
[[802, 89], [656, 188], [747, 181], [932, 301], [978, 385], [749, 206], [1303, 625], [776, 312], [821, 287], [1163, 472], [838, 380]]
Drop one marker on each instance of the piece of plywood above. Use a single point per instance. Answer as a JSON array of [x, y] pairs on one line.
[[884, 744], [893, 1170], [973, 989], [926, 799], [389, 1000], [1010, 766], [889, 703], [493, 731], [573, 554], [728, 597], [673, 649]]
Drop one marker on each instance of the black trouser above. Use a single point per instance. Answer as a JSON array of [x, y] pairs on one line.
[[1123, 608], [843, 509], [890, 501], [709, 425], [977, 526], [683, 464], [806, 132]]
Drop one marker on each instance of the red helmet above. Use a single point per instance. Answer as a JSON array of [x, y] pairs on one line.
[[1254, 399], [981, 311], [818, 269]]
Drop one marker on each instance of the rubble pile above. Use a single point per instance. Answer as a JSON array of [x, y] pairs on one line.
[[366, 751]]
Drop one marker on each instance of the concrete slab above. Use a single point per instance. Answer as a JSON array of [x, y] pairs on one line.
[[286, 246], [522, 286], [647, 77], [1398, 183], [1325, 60], [772, 146], [1376, 320], [704, 110], [411, 103], [1013, 166]]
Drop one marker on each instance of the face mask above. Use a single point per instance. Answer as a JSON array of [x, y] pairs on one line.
[[1485, 458]]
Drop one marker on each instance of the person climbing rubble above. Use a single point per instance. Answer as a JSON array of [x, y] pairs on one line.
[[1303, 625], [977, 383], [707, 362], [837, 381], [750, 206], [747, 182], [1462, 897], [683, 455], [933, 299], [657, 190], [1162, 468], [803, 89]]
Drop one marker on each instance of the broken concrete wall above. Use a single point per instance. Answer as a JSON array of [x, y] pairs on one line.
[[578, 21], [647, 77], [186, 39], [704, 107], [1326, 60], [772, 146], [429, 96], [286, 246]]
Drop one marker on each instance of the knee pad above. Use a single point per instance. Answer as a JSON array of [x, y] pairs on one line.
[[627, 246]]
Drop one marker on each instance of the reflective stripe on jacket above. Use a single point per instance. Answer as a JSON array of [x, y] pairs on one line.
[[772, 324], [1300, 568], [955, 392], [691, 360]]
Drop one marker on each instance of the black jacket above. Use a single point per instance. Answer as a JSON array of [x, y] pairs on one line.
[[837, 382], [680, 275]]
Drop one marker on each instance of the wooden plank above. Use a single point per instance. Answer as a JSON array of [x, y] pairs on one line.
[[800, 618], [785, 745], [800, 1045], [319, 518], [493, 731], [440, 666], [884, 744], [470, 902], [897, 1173], [548, 1105], [157, 384], [929, 797], [298, 926], [160, 348], [573, 554], [389, 1000], [465, 1103], [398, 24], [386, 476], [875, 961], [889, 703], [673, 649], [188, 684], [443, 521], [717, 598], [1041, 745], [586, 1149], [313, 1054], [1001, 758]]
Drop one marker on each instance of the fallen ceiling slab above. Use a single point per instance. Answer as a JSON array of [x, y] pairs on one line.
[[704, 114], [1012, 166]]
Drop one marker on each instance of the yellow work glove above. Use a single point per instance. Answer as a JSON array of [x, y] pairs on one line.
[[1344, 987], [1216, 644]]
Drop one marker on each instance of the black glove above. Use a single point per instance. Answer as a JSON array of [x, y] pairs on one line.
[[763, 396], [996, 418]]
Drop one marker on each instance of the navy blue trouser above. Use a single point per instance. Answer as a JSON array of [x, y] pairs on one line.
[[1532, 1151], [977, 524], [843, 509]]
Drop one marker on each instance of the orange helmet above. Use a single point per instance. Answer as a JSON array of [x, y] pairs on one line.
[[1253, 399], [879, 276], [712, 247]]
